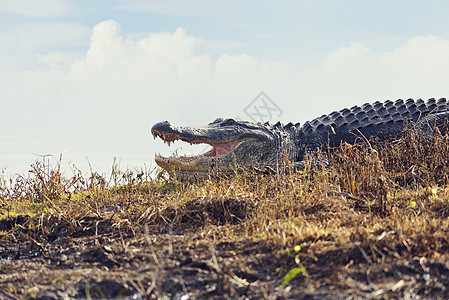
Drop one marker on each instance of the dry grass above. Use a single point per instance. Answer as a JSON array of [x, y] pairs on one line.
[[373, 224]]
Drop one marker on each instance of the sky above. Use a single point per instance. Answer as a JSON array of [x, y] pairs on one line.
[[87, 79]]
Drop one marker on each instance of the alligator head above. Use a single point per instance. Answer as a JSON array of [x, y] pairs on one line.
[[235, 144]]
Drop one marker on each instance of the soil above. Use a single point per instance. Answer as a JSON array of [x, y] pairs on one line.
[[100, 261]]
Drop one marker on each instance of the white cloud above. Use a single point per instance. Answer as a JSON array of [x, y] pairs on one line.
[[425, 54], [157, 62], [22, 46], [58, 60], [109, 98], [354, 74], [47, 35], [33, 8]]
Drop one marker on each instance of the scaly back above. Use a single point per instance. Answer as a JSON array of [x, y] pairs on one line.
[[383, 120]]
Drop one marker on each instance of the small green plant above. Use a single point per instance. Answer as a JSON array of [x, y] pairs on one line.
[[300, 269], [290, 275]]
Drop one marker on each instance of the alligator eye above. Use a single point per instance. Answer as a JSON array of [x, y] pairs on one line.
[[228, 122], [219, 120]]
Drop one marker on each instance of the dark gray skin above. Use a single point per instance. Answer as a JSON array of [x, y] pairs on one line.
[[240, 144]]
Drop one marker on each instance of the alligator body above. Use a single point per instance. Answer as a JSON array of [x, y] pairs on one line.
[[261, 146]]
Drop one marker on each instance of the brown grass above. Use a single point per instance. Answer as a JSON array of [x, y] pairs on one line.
[[373, 224]]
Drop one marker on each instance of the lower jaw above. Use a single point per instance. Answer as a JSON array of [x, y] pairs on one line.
[[182, 170], [170, 165]]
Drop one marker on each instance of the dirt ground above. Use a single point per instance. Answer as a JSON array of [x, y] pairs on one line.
[[98, 260]]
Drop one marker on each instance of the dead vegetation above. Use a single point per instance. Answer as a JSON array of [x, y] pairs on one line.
[[373, 224]]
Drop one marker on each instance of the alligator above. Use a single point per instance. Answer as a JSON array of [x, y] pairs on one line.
[[241, 144]]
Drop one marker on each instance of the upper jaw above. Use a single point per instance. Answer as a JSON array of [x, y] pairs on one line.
[[169, 133], [193, 135], [211, 134]]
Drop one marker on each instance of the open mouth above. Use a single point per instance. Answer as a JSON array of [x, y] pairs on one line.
[[218, 149]]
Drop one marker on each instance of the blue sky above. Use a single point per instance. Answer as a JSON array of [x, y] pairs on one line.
[[90, 78], [300, 31]]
